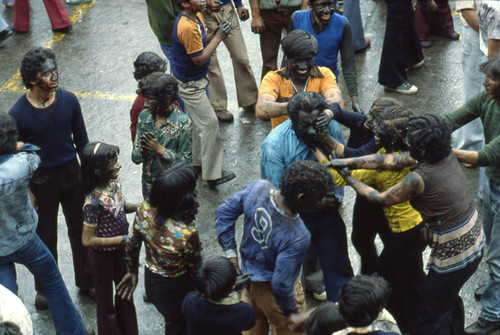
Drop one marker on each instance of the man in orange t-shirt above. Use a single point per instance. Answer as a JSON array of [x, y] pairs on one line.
[[299, 74]]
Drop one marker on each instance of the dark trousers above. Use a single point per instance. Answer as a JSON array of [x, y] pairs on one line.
[[368, 220], [401, 264], [401, 47], [328, 236], [63, 187], [438, 22], [442, 311], [167, 295], [275, 22], [114, 315]]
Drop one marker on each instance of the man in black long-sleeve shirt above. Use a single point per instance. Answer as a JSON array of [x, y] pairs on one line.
[[50, 118]]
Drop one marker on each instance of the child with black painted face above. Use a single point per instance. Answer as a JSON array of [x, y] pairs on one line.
[[105, 230]]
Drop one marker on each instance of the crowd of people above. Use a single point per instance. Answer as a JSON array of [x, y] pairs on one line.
[[404, 166]]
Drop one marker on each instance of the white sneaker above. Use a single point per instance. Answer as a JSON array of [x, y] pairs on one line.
[[404, 88]]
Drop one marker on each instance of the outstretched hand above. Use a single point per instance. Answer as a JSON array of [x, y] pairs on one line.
[[125, 289], [344, 171]]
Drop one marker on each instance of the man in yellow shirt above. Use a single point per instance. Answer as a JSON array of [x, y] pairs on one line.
[[299, 74]]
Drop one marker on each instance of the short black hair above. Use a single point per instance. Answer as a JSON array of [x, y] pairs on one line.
[[306, 177], [491, 68], [215, 278], [325, 319], [174, 194], [32, 63], [362, 298], [307, 102], [158, 85], [8, 134], [179, 3], [431, 135], [96, 156], [299, 44], [9, 328], [148, 62]]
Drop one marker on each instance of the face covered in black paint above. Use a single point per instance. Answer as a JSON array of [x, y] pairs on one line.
[[306, 128], [383, 135], [323, 11], [300, 67], [158, 105], [492, 88], [48, 77]]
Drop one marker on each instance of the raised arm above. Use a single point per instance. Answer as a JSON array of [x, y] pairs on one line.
[[375, 162]]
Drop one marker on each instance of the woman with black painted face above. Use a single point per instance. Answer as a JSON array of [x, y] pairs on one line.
[[438, 189]]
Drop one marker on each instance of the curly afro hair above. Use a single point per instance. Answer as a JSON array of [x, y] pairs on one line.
[[305, 177], [32, 63], [429, 138], [148, 62], [307, 102], [158, 85], [8, 134]]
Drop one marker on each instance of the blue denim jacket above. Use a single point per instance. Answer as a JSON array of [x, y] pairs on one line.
[[282, 148], [18, 218]]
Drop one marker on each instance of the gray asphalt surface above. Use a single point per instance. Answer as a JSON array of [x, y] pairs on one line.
[[95, 62]]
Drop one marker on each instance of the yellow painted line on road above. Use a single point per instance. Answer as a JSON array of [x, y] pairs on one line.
[[15, 83]]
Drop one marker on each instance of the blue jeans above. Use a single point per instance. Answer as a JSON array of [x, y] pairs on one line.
[[3, 24], [39, 261], [491, 225], [328, 236]]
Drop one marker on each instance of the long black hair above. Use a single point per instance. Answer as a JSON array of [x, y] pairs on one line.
[[174, 194], [8, 134], [95, 158]]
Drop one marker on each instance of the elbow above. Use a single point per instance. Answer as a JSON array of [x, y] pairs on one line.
[[86, 243], [260, 112]]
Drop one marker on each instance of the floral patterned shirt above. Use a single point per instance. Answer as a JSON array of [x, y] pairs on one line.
[[104, 210], [171, 250], [174, 135]]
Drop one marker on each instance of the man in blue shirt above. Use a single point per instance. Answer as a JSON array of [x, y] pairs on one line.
[[51, 118], [288, 143], [274, 240]]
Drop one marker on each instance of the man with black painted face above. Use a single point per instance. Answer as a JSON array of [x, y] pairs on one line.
[[50, 118], [333, 33], [299, 74], [289, 143]]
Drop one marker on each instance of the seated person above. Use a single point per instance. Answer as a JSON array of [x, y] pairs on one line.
[[215, 306], [325, 319]]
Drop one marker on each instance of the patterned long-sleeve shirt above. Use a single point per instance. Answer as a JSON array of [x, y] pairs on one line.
[[174, 135], [172, 250]]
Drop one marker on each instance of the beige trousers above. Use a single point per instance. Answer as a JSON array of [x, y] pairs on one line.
[[207, 143], [268, 312], [246, 88]]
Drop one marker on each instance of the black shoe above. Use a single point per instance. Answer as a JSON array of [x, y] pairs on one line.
[[146, 298], [226, 176], [224, 115], [453, 36], [5, 34], [41, 302], [478, 292], [482, 327]]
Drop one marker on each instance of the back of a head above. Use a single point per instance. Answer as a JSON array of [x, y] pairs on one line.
[[390, 127], [148, 62], [174, 194], [8, 134], [362, 298], [429, 138], [307, 178], [325, 320], [306, 102], [158, 85], [215, 278], [382, 103], [9, 328], [299, 44]]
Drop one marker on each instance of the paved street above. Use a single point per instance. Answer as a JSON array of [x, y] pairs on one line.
[[95, 62]]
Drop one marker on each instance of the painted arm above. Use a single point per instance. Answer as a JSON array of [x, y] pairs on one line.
[[408, 188], [90, 240], [220, 34], [333, 95], [267, 107], [375, 162]]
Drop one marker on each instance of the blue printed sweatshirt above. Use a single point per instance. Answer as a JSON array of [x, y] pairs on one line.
[[273, 245]]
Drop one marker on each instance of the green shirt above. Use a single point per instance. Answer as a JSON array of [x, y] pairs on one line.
[[162, 15], [174, 135], [489, 111]]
